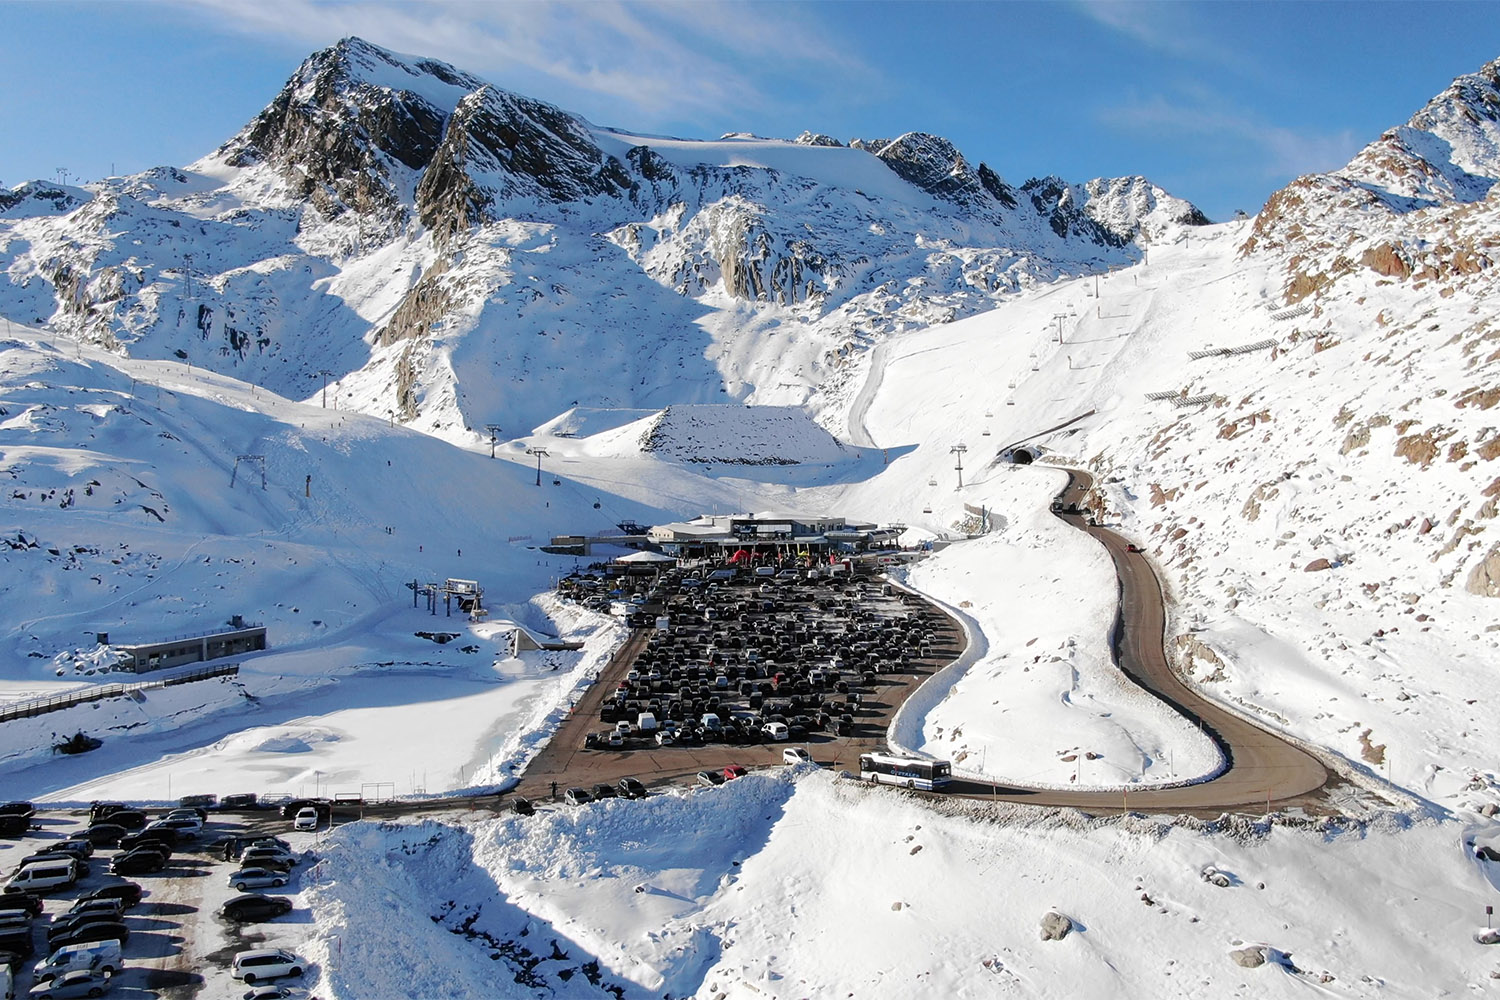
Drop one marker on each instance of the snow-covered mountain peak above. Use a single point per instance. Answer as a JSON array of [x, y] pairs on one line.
[[1406, 205]]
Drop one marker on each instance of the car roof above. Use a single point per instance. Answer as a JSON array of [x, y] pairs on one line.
[[241, 956]]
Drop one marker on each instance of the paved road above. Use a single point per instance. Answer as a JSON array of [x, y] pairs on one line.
[[1262, 768]]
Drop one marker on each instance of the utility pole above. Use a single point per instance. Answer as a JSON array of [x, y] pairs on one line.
[[494, 430], [959, 450], [540, 454], [325, 373]]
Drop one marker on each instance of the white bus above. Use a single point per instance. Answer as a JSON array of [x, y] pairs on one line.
[[908, 772]]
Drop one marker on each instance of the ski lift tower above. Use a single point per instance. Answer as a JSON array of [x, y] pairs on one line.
[[494, 430], [540, 454], [959, 450]]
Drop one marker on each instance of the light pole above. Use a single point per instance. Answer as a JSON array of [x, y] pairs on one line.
[[959, 450], [540, 454]]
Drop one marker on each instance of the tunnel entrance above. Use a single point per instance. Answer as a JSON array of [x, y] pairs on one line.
[[1023, 456]]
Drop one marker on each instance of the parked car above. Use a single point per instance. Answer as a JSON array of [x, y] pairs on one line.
[[275, 851], [255, 878], [240, 801], [130, 892], [139, 862], [307, 819], [130, 819], [78, 983], [50, 854], [522, 807], [17, 809], [632, 788], [271, 992], [274, 860], [796, 755], [100, 956], [264, 963], [577, 796], [76, 846], [21, 902], [104, 931], [44, 876], [710, 778], [104, 834], [14, 825], [292, 808], [252, 907], [16, 941], [101, 810], [166, 838], [603, 790], [733, 771], [66, 923], [113, 905]]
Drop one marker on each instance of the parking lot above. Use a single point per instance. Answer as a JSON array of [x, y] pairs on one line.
[[177, 946], [732, 670]]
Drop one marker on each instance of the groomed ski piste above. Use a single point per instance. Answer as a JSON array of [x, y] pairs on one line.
[[794, 882]]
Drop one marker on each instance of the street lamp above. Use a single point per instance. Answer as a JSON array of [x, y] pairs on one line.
[[540, 454]]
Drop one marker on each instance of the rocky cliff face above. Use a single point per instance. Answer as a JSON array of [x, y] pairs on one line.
[[1413, 204], [381, 202]]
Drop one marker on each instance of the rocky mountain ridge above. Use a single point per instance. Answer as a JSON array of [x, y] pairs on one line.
[[372, 220], [1406, 206]]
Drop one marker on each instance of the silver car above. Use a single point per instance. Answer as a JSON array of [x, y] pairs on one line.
[[256, 878]]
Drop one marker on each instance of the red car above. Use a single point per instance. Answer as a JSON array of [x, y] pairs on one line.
[[733, 771], [1132, 547]]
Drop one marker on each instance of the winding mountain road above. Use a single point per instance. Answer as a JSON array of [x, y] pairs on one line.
[[1260, 767]]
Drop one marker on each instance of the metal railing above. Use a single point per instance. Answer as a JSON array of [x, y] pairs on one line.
[[56, 703]]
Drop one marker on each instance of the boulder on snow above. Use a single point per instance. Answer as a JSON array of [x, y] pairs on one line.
[[1249, 958], [1484, 578], [1055, 926], [1317, 565], [1213, 876]]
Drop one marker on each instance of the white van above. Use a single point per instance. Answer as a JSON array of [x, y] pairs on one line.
[[711, 722], [645, 722], [100, 956], [43, 876], [776, 731]]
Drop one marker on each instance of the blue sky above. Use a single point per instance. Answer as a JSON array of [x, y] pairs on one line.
[[1220, 103]]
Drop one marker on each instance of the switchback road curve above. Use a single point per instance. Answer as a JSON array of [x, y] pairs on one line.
[[1260, 767]]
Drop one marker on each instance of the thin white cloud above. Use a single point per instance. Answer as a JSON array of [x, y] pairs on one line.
[[1170, 29], [662, 60], [1284, 151]]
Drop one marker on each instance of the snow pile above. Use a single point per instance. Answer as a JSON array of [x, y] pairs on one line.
[[765, 887]]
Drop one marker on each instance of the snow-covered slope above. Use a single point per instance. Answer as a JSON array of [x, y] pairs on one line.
[[450, 253]]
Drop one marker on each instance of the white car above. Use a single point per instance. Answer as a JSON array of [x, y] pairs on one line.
[[796, 755], [265, 963], [307, 819], [256, 878]]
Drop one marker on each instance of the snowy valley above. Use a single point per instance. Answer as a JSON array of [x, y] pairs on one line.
[[295, 377]]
